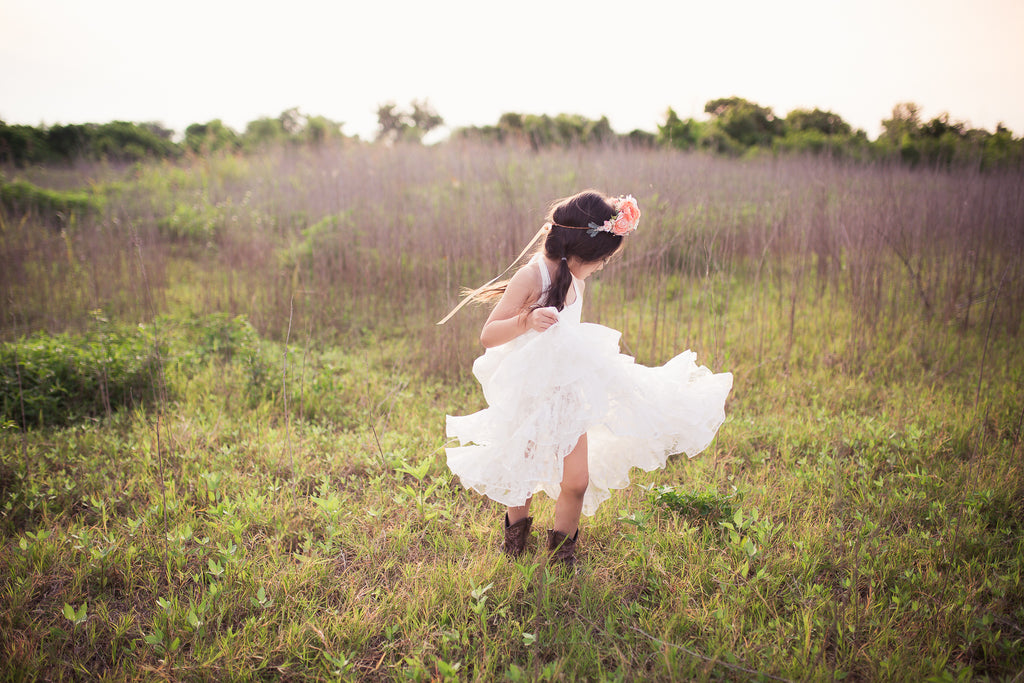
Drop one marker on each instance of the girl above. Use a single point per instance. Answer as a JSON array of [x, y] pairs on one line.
[[567, 413]]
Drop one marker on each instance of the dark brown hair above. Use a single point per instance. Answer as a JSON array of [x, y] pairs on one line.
[[570, 217]]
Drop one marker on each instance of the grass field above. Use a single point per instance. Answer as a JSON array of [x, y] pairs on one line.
[[235, 399]]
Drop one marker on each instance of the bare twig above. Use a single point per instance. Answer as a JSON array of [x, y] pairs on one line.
[[284, 389], [380, 451], [21, 400], [988, 337]]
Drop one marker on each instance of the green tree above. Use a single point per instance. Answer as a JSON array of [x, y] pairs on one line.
[[1002, 150], [22, 145], [128, 141], [598, 132], [942, 125], [541, 130], [679, 133], [158, 130], [747, 123], [424, 118], [320, 129], [263, 131], [291, 125], [825, 122], [390, 122], [905, 122], [395, 125], [642, 138], [211, 136], [69, 142], [292, 121]]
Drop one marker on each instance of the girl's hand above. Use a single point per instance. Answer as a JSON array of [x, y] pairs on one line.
[[541, 319], [514, 315]]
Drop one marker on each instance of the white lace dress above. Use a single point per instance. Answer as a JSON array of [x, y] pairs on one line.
[[546, 389]]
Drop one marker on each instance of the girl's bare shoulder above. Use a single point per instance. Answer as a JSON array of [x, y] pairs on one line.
[[527, 280]]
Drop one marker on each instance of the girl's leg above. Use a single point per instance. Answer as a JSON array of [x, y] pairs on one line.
[[517, 513], [575, 478]]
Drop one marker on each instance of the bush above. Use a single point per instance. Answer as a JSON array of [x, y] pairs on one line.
[[61, 379], [192, 222], [22, 197], [215, 337], [54, 380]]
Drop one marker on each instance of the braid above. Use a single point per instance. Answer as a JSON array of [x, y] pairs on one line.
[[560, 285]]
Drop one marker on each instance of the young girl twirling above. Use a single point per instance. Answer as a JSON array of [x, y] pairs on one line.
[[567, 413]]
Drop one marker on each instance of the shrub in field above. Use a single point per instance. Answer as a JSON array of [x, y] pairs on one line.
[[195, 222], [218, 338], [702, 506], [329, 232], [21, 197], [53, 380]]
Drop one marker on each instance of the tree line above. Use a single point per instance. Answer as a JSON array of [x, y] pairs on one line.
[[22, 145], [734, 126], [739, 127]]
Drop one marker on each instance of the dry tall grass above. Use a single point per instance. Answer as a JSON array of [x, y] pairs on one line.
[[354, 237]]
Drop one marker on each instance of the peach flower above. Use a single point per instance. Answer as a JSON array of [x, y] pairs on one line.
[[628, 218]]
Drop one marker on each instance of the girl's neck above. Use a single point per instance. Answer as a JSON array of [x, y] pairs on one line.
[[552, 265]]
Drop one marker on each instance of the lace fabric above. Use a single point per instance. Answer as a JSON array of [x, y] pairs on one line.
[[545, 390]]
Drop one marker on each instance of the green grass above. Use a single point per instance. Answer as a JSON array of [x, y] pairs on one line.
[[874, 533], [282, 509]]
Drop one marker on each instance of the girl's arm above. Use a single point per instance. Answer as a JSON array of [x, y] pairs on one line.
[[513, 315]]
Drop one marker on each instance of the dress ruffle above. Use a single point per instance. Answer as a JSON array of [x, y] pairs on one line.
[[544, 390]]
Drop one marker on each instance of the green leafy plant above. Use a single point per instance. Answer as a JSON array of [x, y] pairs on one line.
[[703, 506], [22, 197], [75, 616], [59, 379]]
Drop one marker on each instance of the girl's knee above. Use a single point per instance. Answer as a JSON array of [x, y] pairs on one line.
[[576, 485]]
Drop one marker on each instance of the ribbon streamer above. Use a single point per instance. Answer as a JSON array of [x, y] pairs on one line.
[[469, 297]]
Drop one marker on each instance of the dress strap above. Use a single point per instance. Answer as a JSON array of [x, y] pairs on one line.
[[545, 277]]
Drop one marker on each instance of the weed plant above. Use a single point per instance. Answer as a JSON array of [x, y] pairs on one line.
[[282, 509]]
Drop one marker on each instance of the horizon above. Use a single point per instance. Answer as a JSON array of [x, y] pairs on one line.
[[444, 131], [112, 60]]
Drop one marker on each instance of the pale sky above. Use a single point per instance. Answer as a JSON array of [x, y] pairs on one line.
[[188, 61]]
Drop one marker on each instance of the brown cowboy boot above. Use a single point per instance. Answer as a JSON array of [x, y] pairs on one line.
[[563, 547], [516, 536]]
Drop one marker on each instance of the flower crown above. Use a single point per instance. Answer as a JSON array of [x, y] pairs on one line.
[[623, 221]]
